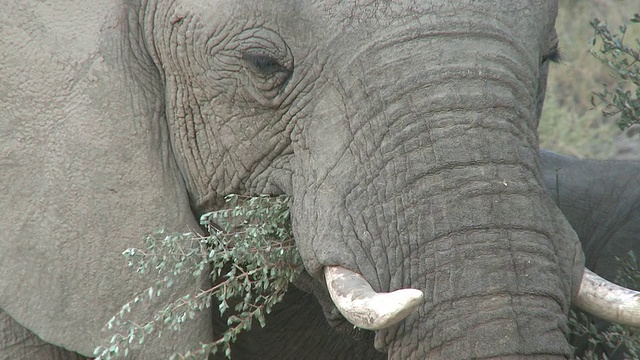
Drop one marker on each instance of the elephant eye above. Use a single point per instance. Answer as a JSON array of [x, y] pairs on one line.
[[265, 64]]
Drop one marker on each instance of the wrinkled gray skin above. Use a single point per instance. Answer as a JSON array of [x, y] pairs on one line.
[[405, 135], [601, 200]]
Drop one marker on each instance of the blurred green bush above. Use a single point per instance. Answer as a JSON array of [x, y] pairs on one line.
[[569, 122]]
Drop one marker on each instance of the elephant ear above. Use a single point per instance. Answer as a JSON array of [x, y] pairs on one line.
[[86, 171]]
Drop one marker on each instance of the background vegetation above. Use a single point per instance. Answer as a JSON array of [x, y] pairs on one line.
[[569, 123]]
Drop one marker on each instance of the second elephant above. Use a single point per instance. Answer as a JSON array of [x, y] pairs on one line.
[[601, 200]]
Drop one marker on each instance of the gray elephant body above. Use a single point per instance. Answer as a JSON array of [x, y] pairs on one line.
[[601, 201], [405, 134]]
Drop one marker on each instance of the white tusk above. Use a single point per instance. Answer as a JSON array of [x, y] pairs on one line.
[[608, 301], [363, 307]]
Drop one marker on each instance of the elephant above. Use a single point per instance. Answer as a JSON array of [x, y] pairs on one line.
[[600, 199], [403, 132]]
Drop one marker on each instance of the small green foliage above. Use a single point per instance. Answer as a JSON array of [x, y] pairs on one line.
[[250, 256], [614, 339], [624, 63], [629, 272], [594, 344]]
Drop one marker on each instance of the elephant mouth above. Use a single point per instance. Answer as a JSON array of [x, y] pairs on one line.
[[356, 300]]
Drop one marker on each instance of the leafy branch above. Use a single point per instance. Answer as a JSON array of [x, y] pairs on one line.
[[250, 256], [624, 63]]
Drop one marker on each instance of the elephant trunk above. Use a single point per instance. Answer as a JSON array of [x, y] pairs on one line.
[[429, 179], [454, 207], [494, 287], [460, 212]]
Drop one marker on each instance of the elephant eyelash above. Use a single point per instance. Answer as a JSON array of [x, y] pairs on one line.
[[555, 56]]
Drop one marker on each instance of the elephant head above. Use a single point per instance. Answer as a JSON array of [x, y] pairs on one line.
[[404, 133]]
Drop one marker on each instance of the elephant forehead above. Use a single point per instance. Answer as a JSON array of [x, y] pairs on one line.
[[293, 18], [313, 23]]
